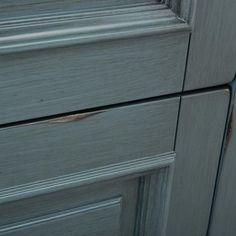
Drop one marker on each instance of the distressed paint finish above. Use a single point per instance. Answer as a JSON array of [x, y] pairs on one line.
[[198, 145]]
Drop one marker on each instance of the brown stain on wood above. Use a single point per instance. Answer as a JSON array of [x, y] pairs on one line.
[[229, 130], [73, 118]]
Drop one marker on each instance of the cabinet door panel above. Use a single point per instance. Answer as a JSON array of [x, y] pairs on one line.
[[119, 206]]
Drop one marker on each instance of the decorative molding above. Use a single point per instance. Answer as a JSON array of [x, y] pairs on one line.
[[60, 215], [46, 31], [130, 169]]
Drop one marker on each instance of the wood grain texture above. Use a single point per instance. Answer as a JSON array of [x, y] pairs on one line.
[[98, 219], [212, 53], [15, 8], [199, 140], [47, 82], [110, 172], [153, 202], [28, 209], [159, 194], [49, 149], [37, 32], [224, 208], [183, 8], [45, 211]]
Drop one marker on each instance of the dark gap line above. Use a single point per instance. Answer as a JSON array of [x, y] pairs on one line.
[[180, 102], [186, 61], [112, 106], [177, 123]]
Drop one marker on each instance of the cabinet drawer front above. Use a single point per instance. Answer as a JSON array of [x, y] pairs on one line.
[[98, 219], [82, 142], [47, 82]]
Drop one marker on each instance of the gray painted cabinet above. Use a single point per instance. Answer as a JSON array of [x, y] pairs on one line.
[[103, 128], [224, 207]]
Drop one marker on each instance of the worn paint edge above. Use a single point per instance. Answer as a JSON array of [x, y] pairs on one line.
[[72, 118], [132, 168]]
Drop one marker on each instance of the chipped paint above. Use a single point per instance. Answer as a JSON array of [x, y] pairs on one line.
[[229, 130], [73, 118]]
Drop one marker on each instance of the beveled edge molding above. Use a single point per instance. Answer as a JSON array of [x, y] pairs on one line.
[[129, 169], [185, 9], [50, 31], [62, 214]]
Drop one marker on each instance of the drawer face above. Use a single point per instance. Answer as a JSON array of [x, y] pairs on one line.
[[51, 81], [71, 144]]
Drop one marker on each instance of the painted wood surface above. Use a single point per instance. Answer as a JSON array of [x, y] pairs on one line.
[[212, 52], [121, 170], [66, 200], [92, 220], [142, 198], [48, 82], [66, 61], [224, 208], [198, 145], [157, 208], [15, 8], [57, 30], [67, 145]]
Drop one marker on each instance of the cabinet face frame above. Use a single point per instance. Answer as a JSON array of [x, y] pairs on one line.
[[198, 146], [212, 48]]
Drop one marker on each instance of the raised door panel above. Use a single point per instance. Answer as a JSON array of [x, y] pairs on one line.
[[134, 202]]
